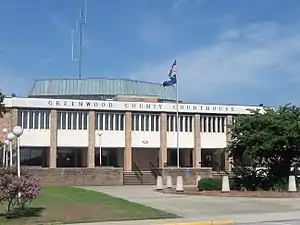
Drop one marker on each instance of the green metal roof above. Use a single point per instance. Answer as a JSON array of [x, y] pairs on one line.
[[100, 86]]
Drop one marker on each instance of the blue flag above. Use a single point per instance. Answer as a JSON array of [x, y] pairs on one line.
[[172, 76]]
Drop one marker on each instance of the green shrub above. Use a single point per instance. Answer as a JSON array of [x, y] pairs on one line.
[[210, 184]]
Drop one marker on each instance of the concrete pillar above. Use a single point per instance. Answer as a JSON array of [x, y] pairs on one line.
[[197, 142], [228, 139], [91, 146], [163, 141], [128, 149], [53, 139]]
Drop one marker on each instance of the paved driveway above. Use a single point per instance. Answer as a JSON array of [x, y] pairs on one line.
[[195, 208]]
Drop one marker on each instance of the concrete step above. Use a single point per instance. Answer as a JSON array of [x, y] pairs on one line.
[[130, 178]]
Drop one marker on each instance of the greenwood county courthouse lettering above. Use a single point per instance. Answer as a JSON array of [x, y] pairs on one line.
[[120, 133]]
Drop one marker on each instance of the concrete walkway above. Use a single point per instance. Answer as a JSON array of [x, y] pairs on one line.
[[198, 208]]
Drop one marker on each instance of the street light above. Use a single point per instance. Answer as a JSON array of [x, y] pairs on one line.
[[7, 144], [100, 133], [18, 131], [10, 137], [4, 131]]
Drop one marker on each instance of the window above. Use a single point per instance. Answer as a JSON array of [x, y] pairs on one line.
[[70, 120], [109, 121], [34, 119], [145, 122]]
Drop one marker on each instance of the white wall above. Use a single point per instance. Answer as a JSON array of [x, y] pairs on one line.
[[79, 138], [213, 140], [113, 139], [35, 138], [145, 139], [186, 139], [72, 138]]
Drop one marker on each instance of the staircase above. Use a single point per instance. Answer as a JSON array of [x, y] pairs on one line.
[[142, 178]]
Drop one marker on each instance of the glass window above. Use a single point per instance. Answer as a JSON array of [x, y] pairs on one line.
[[142, 122], [80, 120], [209, 124], [186, 125], [59, 120], [36, 119], [85, 121], [204, 124], [180, 123], [69, 120], [31, 116], [63, 120], [132, 122], [201, 123], [122, 122], [106, 121], [31, 156], [172, 123], [42, 120], [20, 112], [117, 121], [223, 124], [47, 120], [137, 122], [191, 124], [213, 124], [111, 121], [74, 121], [152, 123], [147, 123], [25, 120], [100, 121], [157, 117]]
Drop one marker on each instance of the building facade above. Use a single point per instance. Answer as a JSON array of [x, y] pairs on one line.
[[131, 132], [70, 133]]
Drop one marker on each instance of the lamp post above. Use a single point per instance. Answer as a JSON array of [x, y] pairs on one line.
[[4, 131], [7, 144], [18, 131], [9, 138], [100, 133]]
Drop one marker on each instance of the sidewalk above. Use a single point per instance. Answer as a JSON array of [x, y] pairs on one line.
[[202, 208]]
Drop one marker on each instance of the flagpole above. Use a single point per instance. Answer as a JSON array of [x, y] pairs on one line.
[[177, 119]]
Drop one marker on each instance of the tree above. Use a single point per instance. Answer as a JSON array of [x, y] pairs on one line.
[[270, 138], [10, 185], [2, 105]]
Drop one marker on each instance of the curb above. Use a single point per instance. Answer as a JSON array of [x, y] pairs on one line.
[[216, 222]]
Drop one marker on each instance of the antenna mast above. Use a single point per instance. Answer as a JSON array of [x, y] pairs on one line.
[[77, 50]]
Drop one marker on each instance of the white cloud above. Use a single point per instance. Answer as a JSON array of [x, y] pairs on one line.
[[244, 56]]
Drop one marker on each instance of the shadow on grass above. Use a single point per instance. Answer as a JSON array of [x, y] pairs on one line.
[[24, 213]]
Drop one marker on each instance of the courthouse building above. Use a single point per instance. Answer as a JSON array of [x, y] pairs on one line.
[[117, 123]]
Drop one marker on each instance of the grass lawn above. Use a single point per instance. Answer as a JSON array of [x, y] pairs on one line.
[[69, 204]]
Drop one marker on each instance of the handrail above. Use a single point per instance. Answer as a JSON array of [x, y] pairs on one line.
[[220, 170], [138, 172], [154, 169]]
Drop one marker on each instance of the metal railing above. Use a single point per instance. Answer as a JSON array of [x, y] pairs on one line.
[[220, 170], [138, 172], [155, 171]]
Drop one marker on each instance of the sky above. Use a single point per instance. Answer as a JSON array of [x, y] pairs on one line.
[[229, 52]]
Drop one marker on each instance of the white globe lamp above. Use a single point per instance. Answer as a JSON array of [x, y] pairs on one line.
[[7, 142], [4, 130], [10, 136], [18, 131]]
